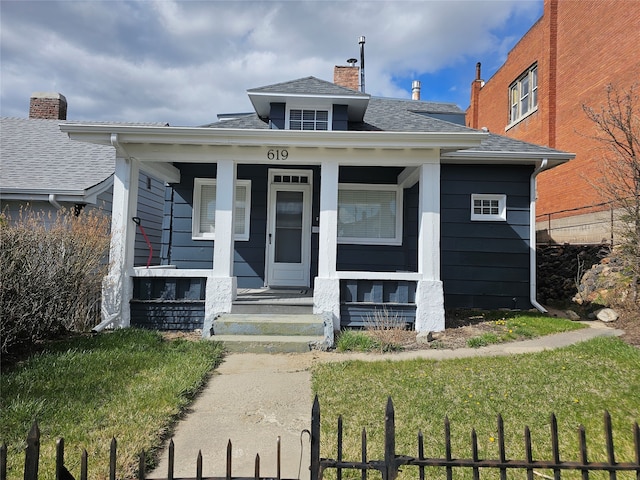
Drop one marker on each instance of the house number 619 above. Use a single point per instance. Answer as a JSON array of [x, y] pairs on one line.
[[277, 154]]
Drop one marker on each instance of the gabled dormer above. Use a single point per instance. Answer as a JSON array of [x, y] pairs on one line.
[[308, 104]]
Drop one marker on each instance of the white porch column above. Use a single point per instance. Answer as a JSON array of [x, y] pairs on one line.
[[429, 294], [117, 286], [221, 284], [326, 290]]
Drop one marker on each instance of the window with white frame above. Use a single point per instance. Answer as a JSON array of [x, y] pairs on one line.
[[523, 95], [488, 207], [369, 214], [204, 209], [308, 119]]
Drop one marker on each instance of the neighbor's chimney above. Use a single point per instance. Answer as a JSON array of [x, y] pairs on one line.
[[473, 112], [415, 90], [52, 106], [346, 76]]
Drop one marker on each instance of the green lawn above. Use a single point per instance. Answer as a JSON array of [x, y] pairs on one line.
[[128, 384], [577, 383]]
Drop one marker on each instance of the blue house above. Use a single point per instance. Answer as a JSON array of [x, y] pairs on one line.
[[367, 203]]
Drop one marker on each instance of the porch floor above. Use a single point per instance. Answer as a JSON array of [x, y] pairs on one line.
[[271, 296]]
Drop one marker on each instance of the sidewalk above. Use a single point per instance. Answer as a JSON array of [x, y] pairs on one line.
[[251, 399]]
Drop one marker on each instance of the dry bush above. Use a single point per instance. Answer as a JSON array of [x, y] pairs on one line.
[[388, 329], [51, 269]]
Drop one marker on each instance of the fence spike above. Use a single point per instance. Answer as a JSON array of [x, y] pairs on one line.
[[528, 451], [474, 453], [112, 459], [636, 440], [32, 453], [390, 441], [256, 473], [421, 454], [199, 465], [315, 440], [555, 447], [229, 456], [3, 461], [501, 446], [608, 432], [142, 466], [278, 453], [447, 445], [171, 460], [363, 439], [59, 458], [339, 470], [582, 440], [84, 465]]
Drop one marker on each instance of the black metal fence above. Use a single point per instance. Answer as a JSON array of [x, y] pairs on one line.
[[388, 467]]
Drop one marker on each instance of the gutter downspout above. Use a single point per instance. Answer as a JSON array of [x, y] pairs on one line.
[[533, 287], [54, 202]]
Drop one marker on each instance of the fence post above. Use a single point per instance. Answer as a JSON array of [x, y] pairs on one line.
[[32, 453], [391, 472], [315, 440], [3, 461]]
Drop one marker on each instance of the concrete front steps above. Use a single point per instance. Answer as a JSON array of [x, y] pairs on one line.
[[270, 332]]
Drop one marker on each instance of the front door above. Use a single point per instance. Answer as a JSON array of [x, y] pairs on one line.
[[289, 228]]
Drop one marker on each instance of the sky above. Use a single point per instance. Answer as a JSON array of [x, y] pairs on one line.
[[185, 62]]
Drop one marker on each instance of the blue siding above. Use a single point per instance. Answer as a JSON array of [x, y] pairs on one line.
[[277, 116], [485, 264], [249, 259], [340, 119], [150, 212]]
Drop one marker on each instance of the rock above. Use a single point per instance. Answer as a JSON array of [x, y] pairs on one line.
[[571, 315], [422, 338], [606, 315]]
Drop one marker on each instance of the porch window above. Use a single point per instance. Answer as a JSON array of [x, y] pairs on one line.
[[204, 209], [369, 214], [523, 95], [488, 207], [308, 119]]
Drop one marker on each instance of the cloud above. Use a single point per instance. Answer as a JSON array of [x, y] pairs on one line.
[[183, 62]]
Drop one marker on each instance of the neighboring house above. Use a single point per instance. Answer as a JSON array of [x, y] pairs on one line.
[[40, 168], [370, 202], [565, 61]]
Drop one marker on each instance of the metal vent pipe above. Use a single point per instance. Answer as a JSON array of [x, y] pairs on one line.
[[361, 42]]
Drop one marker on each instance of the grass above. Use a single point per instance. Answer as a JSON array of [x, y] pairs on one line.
[[577, 383], [128, 384]]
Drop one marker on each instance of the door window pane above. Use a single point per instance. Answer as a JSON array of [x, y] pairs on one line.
[[288, 234]]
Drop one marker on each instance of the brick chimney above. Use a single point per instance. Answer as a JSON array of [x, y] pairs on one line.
[[52, 106], [347, 76], [473, 110]]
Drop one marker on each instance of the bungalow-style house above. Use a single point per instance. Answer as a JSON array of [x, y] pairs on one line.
[[369, 203], [43, 170]]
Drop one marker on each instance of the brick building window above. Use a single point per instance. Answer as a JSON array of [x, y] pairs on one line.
[[523, 95]]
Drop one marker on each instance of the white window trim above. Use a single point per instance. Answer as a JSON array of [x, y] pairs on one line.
[[502, 208], [196, 234], [528, 74], [328, 109], [397, 240]]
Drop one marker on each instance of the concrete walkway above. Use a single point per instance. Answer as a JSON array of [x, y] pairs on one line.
[[252, 399]]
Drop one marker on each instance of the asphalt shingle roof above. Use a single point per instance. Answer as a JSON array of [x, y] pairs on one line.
[[35, 154], [308, 85]]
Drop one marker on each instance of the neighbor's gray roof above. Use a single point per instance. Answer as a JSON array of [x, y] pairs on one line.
[[36, 156]]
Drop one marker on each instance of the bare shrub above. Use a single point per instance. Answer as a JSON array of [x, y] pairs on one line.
[[51, 268], [388, 329]]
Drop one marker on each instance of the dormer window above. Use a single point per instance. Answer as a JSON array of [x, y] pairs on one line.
[[308, 119]]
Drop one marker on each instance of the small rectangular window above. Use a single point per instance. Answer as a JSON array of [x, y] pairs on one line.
[[204, 209], [308, 119], [486, 207], [523, 95], [370, 214]]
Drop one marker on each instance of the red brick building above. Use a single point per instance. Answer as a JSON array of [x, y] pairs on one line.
[[563, 62]]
